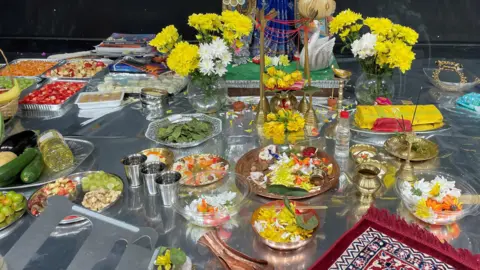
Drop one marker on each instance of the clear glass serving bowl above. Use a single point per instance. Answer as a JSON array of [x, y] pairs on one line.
[[449, 80], [231, 182], [468, 195]]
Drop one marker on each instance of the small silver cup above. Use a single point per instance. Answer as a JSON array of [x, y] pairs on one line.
[[167, 184], [132, 164], [151, 171]]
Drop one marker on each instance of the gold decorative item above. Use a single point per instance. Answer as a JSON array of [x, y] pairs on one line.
[[311, 120], [422, 149], [406, 171], [263, 108], [466, 79], [293, 100], [303, 105], [332, 128], [324, 8], [341, 73], [362, 152], [367, 181], [281, 100]]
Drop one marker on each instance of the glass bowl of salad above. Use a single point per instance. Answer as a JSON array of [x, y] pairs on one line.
[[215, 204], [438, 198]]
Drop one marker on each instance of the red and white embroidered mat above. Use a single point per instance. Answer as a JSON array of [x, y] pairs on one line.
[[382, 241]]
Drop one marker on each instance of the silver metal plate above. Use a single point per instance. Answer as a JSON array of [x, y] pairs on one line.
[[79, 195], [151, 132], [49, 107], [100, 73], [81, 149]]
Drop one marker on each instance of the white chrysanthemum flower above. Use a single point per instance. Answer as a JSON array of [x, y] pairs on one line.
[[220, 69], [365, 46], [218, 47], [416, 192], [226, 58], [259, 226], [446, 188], [205, 52], [275, 60], [207, 67]]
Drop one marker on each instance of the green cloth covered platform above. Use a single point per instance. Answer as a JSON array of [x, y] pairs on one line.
[[248, 76]]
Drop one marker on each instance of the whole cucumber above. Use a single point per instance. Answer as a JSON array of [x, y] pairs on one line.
[[32, 172], [10, 170]]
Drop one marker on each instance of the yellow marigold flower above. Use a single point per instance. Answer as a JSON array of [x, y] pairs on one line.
[[379, 26], [435, 190], [287, 78], [280, 73], [271, 117], [343, 20], [283, 60], [293, 126], [406, 34], [271, 83], [282, 83], [267, 60], [166, 39], [164, 260], [422, 210], [183, 59], [281, 113], [238, 44], [205, 22], [236, 23], [271, 71], [296, 75]]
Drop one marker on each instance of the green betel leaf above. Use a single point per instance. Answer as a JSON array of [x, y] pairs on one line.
[[286, 202], [161, 250], [177, 256], [287, 191], [311, 224]]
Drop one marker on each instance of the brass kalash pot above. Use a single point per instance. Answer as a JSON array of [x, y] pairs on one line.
[[283, 100], [367, 181]]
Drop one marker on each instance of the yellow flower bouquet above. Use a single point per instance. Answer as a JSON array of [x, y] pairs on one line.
[[206, 63], [380, 46], [284, 122], [275, 79]]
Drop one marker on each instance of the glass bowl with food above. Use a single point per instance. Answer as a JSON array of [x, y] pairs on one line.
[[438, 198], [215, 204]]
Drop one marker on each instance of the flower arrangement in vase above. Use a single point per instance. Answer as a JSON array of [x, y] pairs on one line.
[[284, 123], [206, 64], [380, 46]]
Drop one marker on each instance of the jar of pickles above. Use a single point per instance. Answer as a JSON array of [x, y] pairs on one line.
[[56, 153]]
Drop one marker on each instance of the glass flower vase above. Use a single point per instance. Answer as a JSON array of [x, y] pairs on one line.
[[371, 86], [207, 97]]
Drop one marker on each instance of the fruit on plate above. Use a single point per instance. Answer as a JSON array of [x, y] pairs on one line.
[[62, 187], [11, 94], [205, 169], [6, 157], [101, 180], [77, 69], [10, 204], [6, 83], [53, 93], [27, 68]]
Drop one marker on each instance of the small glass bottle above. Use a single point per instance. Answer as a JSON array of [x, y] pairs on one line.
[[55, 151], [342, 135]]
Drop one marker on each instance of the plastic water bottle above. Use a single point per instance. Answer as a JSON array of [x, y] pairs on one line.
[[342, 135]]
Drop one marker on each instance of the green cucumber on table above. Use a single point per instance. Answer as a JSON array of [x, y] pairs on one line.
[[9, 171], [34, 169]]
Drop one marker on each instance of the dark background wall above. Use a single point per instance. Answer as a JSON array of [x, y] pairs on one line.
[[67, 25]]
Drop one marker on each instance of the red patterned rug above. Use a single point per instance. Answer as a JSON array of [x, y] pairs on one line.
[[382, 241]]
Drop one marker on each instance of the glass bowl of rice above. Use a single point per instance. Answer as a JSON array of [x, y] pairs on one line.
[[215, 204]]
